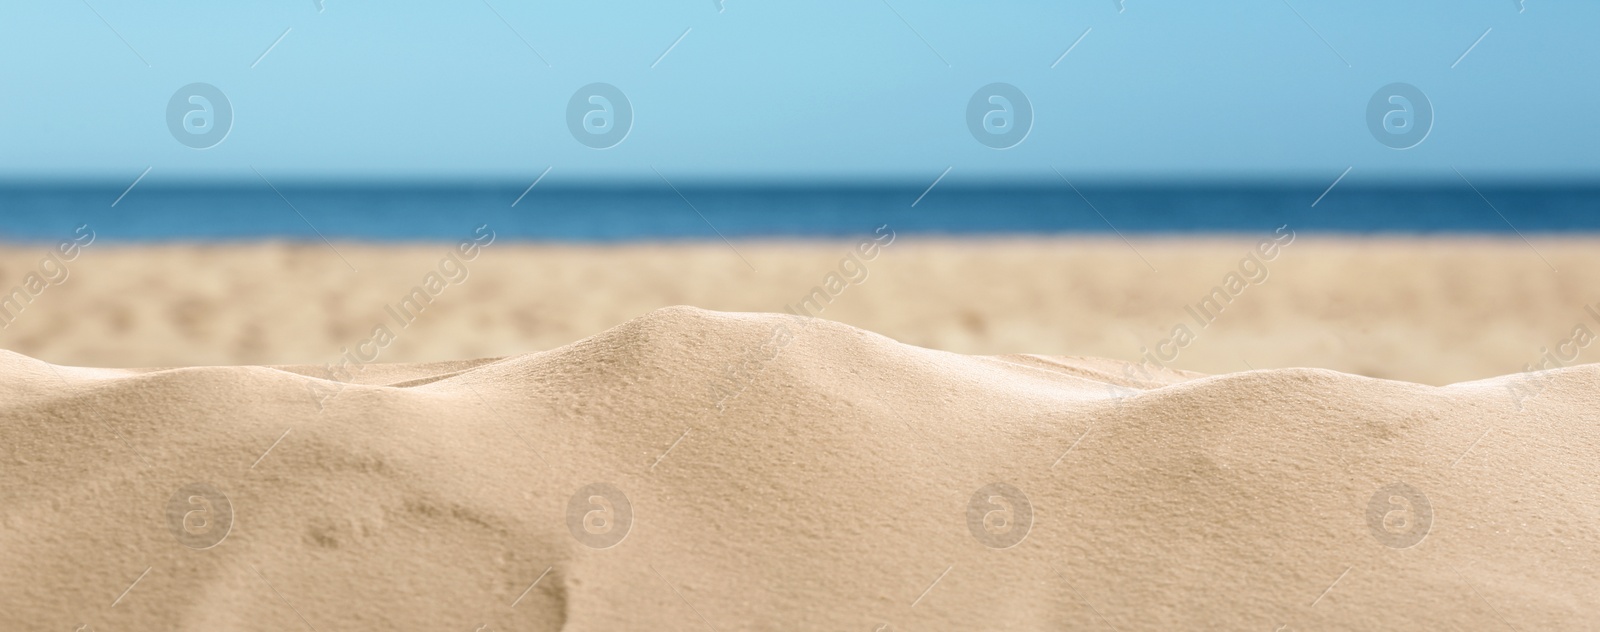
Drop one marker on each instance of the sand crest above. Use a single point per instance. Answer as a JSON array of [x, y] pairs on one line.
[[850, 483]]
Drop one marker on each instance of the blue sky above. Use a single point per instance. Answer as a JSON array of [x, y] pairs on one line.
[[797, 90]]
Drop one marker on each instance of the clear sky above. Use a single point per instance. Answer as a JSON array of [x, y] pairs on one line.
[[758, 89]]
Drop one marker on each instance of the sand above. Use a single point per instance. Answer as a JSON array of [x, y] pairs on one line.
[[852, 483], [1432, 311]]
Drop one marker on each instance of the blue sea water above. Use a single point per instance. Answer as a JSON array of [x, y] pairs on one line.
[[406, 212]]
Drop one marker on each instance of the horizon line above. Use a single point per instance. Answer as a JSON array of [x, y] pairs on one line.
[[750, 183]]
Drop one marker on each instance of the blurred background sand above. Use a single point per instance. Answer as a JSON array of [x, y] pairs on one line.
[[1434, 311]]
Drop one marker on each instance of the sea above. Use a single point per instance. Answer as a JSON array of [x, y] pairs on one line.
[[598, 213]]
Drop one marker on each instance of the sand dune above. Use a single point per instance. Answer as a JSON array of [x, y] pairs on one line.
[[853, 483]]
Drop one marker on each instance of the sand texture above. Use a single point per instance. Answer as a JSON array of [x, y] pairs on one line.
[[696, 470], [1433, 311]]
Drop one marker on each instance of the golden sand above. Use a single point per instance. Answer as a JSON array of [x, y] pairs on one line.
[[854, 482]]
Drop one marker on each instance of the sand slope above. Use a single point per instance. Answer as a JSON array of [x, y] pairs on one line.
[[834, 491]]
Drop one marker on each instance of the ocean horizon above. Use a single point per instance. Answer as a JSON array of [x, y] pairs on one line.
[[421, 211]]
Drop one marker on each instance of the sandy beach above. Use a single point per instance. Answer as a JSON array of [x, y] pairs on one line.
[[855, 482], [868, 317], [1256, 432], [1431, 311], [1042, 434]]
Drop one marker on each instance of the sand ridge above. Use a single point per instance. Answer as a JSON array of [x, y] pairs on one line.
[[857, 483]]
